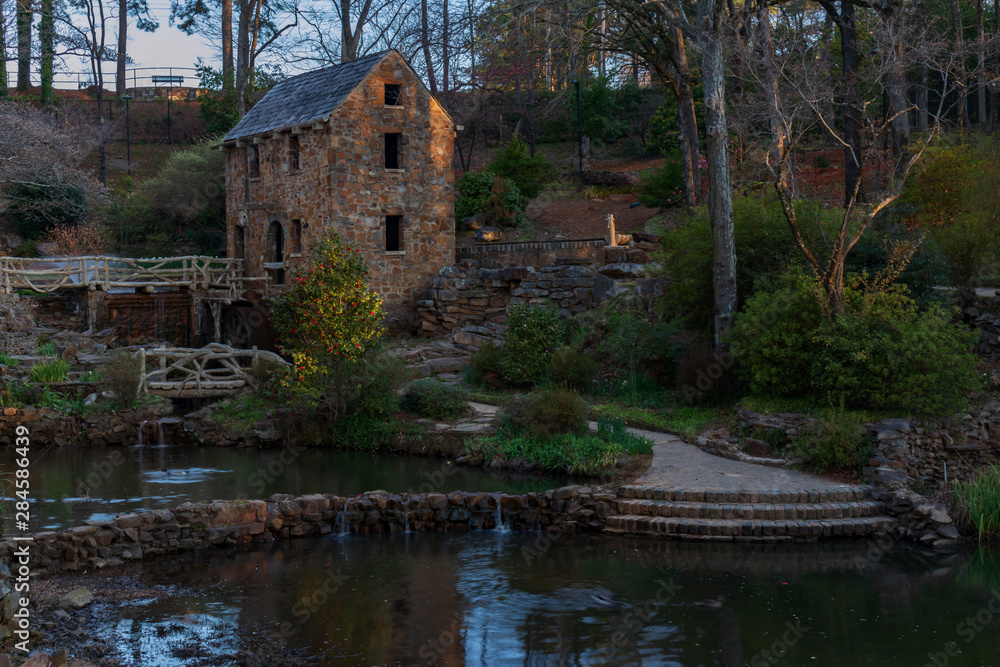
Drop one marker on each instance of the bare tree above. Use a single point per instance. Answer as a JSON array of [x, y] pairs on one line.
[[3, 51], [798, 107]]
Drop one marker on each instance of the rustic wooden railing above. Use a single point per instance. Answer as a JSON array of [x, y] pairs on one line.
[[210, 371], [98, 272]]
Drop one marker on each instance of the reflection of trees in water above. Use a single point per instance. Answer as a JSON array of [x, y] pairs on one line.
[[475, 600]]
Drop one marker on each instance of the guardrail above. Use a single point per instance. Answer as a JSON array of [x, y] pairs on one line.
[[211, 371], [49, 274]]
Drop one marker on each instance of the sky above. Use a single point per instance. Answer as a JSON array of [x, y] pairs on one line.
[[167, 47]]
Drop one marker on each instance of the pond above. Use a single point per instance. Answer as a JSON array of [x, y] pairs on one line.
[[503, 598], [72, 484]]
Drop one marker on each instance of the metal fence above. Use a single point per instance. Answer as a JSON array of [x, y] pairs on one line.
[[135, 77]]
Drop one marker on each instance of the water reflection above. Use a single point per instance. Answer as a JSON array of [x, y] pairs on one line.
[[476, 599], [70, 485]]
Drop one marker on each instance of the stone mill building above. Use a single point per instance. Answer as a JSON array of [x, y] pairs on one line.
[[362, 147]]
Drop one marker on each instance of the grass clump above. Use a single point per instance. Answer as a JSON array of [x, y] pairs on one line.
[[556, 411], [46, 349], [122, 375], [435, 400], [837, 444], [56, 370], [979, 499], [571, 368], [6, 360]]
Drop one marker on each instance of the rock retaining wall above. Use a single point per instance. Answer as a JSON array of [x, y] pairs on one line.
[[194, 526], [913, 453], [472, 297], [985, 317]]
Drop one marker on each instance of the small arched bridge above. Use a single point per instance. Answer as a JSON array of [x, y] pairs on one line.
[[212, 371]]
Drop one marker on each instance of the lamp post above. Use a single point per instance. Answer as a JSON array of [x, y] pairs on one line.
[[128, 133], [579, 126]]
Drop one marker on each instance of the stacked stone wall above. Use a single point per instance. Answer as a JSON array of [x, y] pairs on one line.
[[193, 526], [471, 299]]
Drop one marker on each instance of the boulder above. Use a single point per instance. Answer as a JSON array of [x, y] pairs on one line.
[[77, 599], [622, 270], [474, 222], [489, 234], [755, 447], [645, 237]]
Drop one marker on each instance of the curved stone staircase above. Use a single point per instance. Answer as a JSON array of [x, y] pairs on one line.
[[756, 515]]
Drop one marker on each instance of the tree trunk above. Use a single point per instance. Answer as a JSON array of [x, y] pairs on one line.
[[719, 179], [3, 55], [851, 113], [687, 118], [122, 47], [779, 143], [227, 44], [923, 82], [895, 82], [956, 26], [981, 64], [425, 44], [445, 55], [24, 18], [243, 56], [46, 34], [348, 42]]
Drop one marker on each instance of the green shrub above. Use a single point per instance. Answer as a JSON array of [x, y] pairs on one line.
[[882, 354], [482, 190], [572, 368], [122, 375], [821, 162], [527, 172], [532, 334], [557, 410], [885, 355], [837, 444], [663, 187], [952, 193], [56, 370], [46, 349], [979, 499], [373, 384], [773, 337], [764, 246], [8, 361], [926, 269], [484, 367], [44, 202], [13, 394], [435, 400]]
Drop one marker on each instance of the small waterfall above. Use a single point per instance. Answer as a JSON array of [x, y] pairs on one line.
[[161, 438], [498, 516], [142, 427]]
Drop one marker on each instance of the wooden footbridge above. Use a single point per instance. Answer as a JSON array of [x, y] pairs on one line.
[[211, 371], [99, 272]]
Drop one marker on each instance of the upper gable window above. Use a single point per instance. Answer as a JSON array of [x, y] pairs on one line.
[[393, 91], [253, 159], [293, 153]]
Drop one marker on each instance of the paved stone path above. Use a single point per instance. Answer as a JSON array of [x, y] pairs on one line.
[[677, 464]]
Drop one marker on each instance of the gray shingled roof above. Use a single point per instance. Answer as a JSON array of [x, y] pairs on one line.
[[304, 98]]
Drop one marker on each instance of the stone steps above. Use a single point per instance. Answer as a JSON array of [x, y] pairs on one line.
[[776, 511], [778, 530], [839, 494], [775, 515]]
